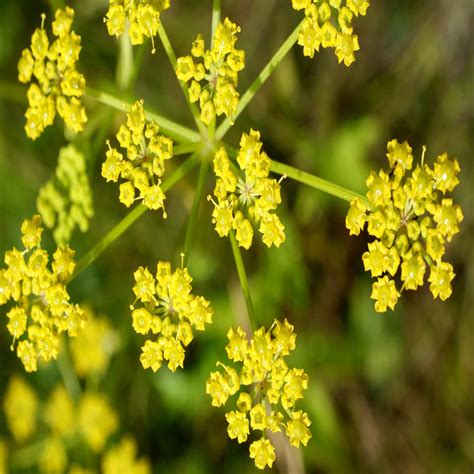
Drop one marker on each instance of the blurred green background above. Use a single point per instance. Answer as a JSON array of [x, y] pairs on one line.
[[388, 393]]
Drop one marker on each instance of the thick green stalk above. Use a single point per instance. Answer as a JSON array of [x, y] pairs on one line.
[[216, 17], [173, 129], [239, 263], [315, 182], [185, 148], [262, 77], [130, 218], [172, 58], [191, 229]]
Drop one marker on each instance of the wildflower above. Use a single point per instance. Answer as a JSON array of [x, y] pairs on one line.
[[253, 192], [121, 458], [20, 405], [59, 412], [329, 25], [58, 86], [411, 219], [143, 17], [144, 165], [94, 407], [65, 202], [273, 389], [169, 311], [218, 67], [42, 310]]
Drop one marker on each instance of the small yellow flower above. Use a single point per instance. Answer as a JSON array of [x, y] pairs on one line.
[[263, 453]]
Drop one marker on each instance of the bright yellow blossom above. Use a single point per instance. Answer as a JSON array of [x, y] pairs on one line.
[[218, 68], [273, 389], [58, 87], [411, 219], [144, 164]]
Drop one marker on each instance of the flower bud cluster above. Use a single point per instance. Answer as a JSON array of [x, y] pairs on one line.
[[412, 220], [58, 86], [218, 68], [272, 389], [42, 309], [170, 312], [65, 202], [144, 164], [328, 24], [143, 17], [254, 192]]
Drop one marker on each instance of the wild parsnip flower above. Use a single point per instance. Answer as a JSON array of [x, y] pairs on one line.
[[65, 202], [56, 85], [212, 74], [53, 458], [144, 164], [412, 221], [60, 413], [122, 458], [249, 190], [268, 389], [96, 420], [328, 24], [20, 406], [142, 16], [170, 312], [42, 310], [94, 346]]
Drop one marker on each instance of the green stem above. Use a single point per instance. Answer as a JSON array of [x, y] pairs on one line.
[[124, 72], [216, 17], [262, 77], [185, 148], [315, 182], [191, 229], [243, 279], [68, 374], [172, 58], [130, 218], [173, 129]]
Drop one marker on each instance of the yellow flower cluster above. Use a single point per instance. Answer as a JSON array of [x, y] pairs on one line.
[[412, 220], [121, 458], [65, 202], [144, 165], [328, 24], [94, 346], [143, 18], [254, 191], [218, 67], [20, 406], [59, 85], [42, 310], [170, 311], [273, 389]]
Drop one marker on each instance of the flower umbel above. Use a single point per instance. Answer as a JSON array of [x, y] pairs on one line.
[[65, 202], [268, 388], [328, 24], [56, 85], [42, 309], [143, 17], [248, 190], [169, 311], [412, 220], [212, 74], [144, 164]]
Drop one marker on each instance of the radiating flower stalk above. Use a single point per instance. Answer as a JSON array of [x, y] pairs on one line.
[[56, 85], [41, 309], [268, 390], [412, 219]]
